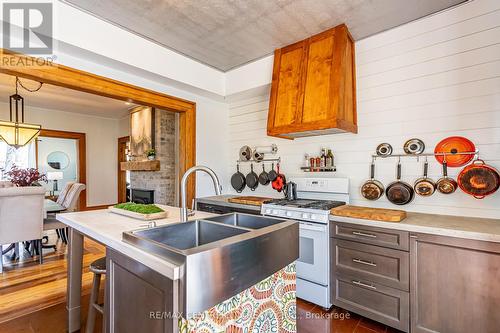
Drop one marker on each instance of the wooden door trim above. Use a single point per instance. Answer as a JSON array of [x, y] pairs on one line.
[[63, 76], [82, 156], [121, 140]]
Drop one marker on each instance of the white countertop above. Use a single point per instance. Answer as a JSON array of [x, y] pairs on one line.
[[107, 228], [443, 225]]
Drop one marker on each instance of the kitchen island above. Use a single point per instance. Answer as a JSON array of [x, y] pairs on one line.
[[194, 291]]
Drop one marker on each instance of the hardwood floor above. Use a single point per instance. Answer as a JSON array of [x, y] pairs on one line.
[[33, 296]]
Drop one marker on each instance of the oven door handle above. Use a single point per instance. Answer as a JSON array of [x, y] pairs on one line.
[[311, 227]]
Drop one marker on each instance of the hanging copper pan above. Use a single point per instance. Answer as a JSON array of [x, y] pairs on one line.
[[372, 189], [479, 179], [445, 184], [452, 146]]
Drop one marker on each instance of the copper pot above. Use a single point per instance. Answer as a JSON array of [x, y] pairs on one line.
[[425, 186], [372, 189], [446, 185], [479, 179]]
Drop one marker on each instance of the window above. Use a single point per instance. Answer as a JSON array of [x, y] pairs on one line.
[[24, 157]]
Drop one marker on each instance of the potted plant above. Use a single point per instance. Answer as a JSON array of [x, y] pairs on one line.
[[151, 154], [26, 177]]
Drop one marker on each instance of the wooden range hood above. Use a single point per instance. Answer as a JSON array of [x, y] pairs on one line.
[[313, 89]]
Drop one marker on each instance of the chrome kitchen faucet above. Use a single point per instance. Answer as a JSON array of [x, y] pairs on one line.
[[211, 173]]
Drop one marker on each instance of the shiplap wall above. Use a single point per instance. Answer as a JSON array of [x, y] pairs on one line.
[[429, 79]]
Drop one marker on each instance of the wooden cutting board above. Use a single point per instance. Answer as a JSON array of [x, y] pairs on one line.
[[368, 213], [249, 200]]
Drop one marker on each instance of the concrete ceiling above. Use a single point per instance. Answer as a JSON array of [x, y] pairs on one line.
[[225, 34], [63, 99]]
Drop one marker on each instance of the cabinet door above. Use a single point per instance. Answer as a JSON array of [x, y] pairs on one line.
[[138, 299], [286, 91], [454, 285], [318, 93]]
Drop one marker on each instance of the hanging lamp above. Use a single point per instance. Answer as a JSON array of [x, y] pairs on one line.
[[18, 133]]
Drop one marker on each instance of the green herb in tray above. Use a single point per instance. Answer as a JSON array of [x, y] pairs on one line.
[[139, 208]]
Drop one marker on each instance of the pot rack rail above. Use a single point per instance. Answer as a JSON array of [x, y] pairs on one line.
[[417, 156]]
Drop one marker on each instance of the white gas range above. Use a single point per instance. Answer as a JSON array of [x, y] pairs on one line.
[[315, 198]]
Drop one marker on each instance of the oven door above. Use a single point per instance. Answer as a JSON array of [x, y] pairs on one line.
[[312, 264]]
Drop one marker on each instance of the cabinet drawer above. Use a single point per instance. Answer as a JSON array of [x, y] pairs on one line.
[[373, 263], [383, 304], [394, 239]]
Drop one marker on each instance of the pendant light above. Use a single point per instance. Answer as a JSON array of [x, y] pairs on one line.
[[18, 133]]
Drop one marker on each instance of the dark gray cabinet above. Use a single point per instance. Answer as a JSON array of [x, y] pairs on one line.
[[370, 272], [373, 263], [390, 238], [455, 285], [138, 299]]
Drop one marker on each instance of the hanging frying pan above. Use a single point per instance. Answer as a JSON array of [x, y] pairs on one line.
[[280, 181], [399, 192], [264, 177], [372, 189], [425, 186], [453, 145], [272, 174], [252, 179], [238, 181], [479, 179], [446, 185]]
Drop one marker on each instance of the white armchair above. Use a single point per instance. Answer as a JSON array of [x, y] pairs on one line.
[[21, 215]]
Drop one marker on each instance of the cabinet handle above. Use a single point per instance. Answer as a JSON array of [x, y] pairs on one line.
[[364, 262], [361, 284], [357, 233]]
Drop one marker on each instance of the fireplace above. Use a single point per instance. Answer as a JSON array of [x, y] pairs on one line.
[[143, 196]]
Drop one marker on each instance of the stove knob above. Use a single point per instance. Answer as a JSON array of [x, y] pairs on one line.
[[289, 214], [268, 211], [305, 215], [275, 211], [313, 217]]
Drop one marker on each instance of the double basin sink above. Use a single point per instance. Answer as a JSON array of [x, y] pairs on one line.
[[220, 256]]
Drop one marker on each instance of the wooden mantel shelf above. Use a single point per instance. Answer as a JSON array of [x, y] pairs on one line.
[[140, 165]]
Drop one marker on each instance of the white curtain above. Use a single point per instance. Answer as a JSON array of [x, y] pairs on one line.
[[24, 157]]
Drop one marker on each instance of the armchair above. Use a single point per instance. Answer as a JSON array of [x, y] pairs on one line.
[[21, 215]]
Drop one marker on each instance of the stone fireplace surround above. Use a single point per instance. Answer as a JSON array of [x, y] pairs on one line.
[[163, 182]]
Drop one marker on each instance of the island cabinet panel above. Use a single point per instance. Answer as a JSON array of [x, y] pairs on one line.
[[313, 86], [138, 299], [454, 285]]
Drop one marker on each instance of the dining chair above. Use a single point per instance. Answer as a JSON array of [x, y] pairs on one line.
[[6, 183], [70, 203], [21, 216], [64, 192]]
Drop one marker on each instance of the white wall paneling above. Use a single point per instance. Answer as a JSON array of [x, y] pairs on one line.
[[429, 79]]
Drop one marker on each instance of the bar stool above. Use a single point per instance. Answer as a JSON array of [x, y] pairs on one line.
[[98, 267]]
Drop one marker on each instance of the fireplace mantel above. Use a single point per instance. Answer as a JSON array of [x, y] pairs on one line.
[[140, 165]]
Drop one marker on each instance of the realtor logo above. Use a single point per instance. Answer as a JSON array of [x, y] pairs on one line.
[[28, 27]]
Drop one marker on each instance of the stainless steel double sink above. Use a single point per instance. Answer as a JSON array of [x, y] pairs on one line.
[[220, 256]]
